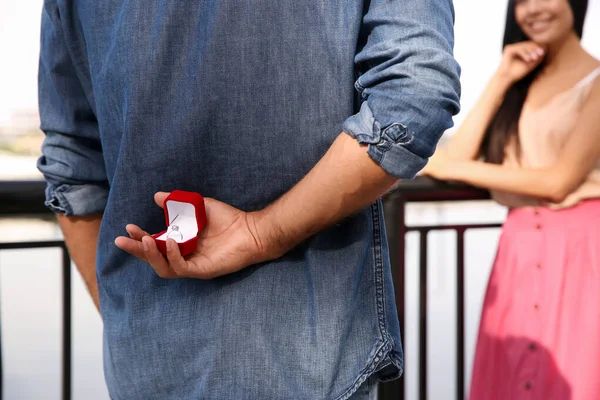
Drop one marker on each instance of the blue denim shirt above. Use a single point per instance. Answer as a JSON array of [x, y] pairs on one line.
[[238, 100]]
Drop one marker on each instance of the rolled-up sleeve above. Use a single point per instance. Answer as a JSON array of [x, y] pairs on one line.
[[408, 81], [72, 161]]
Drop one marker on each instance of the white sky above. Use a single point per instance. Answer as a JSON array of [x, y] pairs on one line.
[[479, 28]]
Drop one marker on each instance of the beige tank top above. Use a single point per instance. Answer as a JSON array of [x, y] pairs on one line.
[[542, 134]]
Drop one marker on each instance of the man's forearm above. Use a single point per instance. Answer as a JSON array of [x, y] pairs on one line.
[[81, 237], [343, 182]]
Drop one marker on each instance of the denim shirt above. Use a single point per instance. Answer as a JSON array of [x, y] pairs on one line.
[[238, 100]]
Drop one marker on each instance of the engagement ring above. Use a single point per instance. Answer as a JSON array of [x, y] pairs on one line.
[[174, 234]]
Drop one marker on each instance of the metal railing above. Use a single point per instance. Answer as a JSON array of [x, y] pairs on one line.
[[426, 190], [25, 198]]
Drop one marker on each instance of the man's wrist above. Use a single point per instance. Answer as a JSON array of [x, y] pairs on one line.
[[271, 243]]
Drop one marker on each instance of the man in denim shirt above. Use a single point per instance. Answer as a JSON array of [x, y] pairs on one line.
[[291, 117]]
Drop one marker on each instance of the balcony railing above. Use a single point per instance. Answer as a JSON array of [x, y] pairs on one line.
[[25, 199], [427, 190]]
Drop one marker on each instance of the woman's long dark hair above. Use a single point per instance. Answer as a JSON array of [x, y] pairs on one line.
[[504, 125]]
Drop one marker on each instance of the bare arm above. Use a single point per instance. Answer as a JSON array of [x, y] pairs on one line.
[[466, 142], [517, 61], [579, 155], [344, 181], [81, 237]]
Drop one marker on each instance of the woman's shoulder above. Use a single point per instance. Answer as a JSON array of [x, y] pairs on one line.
[[593, 67], [591, 81]]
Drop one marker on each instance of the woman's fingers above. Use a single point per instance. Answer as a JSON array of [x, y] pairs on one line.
[[526, 51]]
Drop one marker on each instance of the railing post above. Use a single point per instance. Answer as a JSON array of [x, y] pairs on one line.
[[66, 319], [423, 314], [1, 370], [460, 314], [394, 212]]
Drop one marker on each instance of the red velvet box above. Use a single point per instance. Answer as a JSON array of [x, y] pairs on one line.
[[185, 218]]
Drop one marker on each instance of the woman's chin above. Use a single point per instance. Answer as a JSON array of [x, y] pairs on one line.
[[546, 39]]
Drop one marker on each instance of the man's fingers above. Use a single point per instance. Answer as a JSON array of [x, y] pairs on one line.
[[135, 232], [159, 198], [145, 249], [178, 263], [132, 246], [156, 259]]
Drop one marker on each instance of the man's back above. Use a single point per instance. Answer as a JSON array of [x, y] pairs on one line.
[[236, 100]]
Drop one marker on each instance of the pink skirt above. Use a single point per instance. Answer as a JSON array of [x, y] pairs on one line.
[[539, 335]]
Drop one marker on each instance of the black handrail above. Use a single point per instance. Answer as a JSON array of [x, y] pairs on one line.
[[22, 198], [26, 198]]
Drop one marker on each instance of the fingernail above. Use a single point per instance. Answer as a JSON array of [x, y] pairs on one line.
[[144, 244], [169, 245], [541, 52]]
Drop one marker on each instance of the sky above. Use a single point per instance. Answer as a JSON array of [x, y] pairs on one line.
[[479, 27]]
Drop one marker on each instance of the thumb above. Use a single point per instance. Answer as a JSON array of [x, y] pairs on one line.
[[160, 197]]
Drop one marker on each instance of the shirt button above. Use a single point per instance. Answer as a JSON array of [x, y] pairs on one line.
[[538, 226], [539, 266], [528, 385], [532, 346], [536, 306], [536, 211]]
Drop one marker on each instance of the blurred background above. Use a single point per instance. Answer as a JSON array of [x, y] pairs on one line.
[[30, 279]]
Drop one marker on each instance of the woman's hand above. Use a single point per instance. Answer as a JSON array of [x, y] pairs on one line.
[[228, 243], [518, 60], [439, 165]]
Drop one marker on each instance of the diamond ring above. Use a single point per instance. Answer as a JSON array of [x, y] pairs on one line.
[[174, 234]]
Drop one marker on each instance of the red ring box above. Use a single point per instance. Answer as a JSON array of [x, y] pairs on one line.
[[186, 211]]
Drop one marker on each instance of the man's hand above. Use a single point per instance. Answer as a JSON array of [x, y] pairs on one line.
[[342, 183], [228, 243]]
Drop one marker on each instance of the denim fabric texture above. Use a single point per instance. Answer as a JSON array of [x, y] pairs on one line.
[[238, 100], [366, 391]]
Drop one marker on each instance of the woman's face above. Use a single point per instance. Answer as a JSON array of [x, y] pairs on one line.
[[544, 21]]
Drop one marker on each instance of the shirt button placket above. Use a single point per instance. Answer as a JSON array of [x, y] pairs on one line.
[[532, 346], [538, 226]]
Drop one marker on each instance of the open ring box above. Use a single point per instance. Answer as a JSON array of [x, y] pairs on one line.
[[185, 218]]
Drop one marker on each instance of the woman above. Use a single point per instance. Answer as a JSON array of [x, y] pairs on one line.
[[537, 126]]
